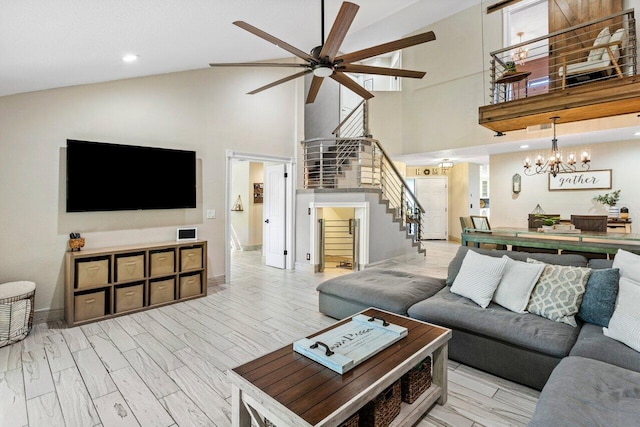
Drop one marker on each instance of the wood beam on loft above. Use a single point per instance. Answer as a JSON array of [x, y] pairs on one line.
[[584, 102], [501, 5]]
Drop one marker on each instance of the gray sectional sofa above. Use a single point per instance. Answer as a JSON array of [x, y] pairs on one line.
[[586, 378]]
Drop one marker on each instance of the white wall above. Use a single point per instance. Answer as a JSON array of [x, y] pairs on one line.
[[240, 188], [204, 110], [256, 175], [440, 111], [511, 210], [246, 224]]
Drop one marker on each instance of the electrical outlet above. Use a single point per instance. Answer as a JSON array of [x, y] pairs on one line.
[[308, 257], [211, 214]]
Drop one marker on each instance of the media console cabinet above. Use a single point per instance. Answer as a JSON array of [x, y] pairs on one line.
[[103, 283]]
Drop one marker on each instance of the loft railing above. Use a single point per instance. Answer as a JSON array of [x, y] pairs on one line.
[[355, 124], [357, 163], [565, 58]]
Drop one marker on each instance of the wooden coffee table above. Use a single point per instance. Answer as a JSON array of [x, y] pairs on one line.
[[291, 390]]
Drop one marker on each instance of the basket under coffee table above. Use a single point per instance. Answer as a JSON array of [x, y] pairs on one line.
[[291, 390]]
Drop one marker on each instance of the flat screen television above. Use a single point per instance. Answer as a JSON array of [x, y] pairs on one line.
[[114, 177]]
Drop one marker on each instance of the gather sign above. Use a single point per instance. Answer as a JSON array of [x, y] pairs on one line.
[[590, 180]]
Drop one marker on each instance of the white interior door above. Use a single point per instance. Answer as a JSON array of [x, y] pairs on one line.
[[432, 195], [274, 216]]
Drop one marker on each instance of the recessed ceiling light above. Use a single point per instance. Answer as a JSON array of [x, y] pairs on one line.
[[524, 146], [637, 134], [130, 58]]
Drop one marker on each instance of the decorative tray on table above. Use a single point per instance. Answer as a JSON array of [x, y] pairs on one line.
[[344, 347]]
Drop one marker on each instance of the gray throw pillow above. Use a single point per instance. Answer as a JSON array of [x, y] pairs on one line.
[[599, 300]]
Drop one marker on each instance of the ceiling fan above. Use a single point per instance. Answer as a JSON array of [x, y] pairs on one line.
[[324, 61]]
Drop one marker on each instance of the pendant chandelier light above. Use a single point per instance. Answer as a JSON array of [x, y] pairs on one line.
[[520, 56], [445, 165], [555, 163]]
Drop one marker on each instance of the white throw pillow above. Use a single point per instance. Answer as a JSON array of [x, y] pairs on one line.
[[628, 263], [517, 282], [479, 277], [603, 38], [624, 325], [615, 38]]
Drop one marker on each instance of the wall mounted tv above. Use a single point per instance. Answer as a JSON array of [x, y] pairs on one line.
[[114, 177]]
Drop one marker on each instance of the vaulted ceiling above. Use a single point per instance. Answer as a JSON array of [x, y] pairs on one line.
[[69, 42]]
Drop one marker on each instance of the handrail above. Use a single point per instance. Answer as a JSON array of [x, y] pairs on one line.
[[513, 77], [361, 162], [384, 153], [395, 169], [562, 31], [348, 117]]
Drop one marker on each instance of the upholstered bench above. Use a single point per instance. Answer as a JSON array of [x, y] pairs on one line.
[[389, 290], [16, 311]]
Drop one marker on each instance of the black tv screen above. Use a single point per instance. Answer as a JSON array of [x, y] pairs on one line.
[[114, 177]]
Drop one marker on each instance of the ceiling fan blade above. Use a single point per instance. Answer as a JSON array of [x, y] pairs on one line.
[[256, 64], [339, 30], [366, 69], [271, 39], [277, 82], [351, 85], [314, 88], [386, 47]]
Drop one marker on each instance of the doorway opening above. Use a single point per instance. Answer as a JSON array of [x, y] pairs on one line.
[[259, 210], [339, 237], [432, 194]]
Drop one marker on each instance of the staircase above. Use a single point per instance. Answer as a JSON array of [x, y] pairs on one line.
[[354, 161]]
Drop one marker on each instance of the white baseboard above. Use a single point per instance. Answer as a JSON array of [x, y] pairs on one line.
[[216, 280], [305, 266], [251, 247], [47, 315]]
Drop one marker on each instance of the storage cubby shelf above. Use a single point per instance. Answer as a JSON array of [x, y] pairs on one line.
[[92, 292]]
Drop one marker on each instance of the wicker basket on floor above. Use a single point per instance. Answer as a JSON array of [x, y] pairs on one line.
[[382, 410], [351, 422], [16, 311], [416, 381]]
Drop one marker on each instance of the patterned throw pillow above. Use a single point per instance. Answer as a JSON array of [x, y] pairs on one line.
[[558, 293]]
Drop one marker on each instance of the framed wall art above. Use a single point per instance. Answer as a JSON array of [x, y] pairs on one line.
[[258, 188], [590, 180]]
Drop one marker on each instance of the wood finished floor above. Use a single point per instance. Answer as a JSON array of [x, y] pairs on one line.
[[165, 367]]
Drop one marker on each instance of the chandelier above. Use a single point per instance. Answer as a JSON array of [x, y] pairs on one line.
[[555, 164], [520, 56]]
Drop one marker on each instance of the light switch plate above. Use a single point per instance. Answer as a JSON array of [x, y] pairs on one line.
[[211, 213]]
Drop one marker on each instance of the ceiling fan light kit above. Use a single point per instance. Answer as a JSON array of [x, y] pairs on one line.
[[322, 71], [323, 61]]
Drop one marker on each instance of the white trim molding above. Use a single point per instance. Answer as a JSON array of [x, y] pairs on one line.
[[290, 168], [361, 213]]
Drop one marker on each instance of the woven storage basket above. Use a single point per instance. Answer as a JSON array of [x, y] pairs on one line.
[[416, 381], [16, 311], [351, 422], [381, 411]]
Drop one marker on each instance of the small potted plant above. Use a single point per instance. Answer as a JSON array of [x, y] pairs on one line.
[[510, 66], [548, 223], [610, 200]]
